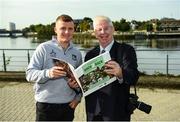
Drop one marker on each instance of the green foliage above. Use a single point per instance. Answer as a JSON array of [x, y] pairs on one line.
[[149, 27], [32, 28], [87, 19], [158, 28], [142, 26], [83, 36], [26, 29], [85, 25], [122, 26], [156, 81], [85, 39], [116, 25], [45, 32]]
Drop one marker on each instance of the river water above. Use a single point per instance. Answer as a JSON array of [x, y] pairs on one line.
[[149, 61]]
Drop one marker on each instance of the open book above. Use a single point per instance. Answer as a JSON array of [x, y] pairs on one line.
[[90, 75]]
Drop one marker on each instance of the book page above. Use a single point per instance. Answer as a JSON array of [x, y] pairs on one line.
[[91, 74]]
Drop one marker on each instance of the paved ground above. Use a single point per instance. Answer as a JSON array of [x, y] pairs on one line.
[[17, 104]]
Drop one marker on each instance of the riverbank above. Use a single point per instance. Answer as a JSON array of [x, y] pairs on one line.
[[12, 76], [163, 82], [145, 81]]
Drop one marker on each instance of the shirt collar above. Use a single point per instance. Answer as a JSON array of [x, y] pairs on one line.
[[58, 45], [108, 47]]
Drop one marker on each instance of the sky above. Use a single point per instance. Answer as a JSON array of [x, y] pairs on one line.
[[26, 12]]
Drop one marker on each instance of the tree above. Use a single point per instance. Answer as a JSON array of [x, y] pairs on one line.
[[26, 29], [159, 28], [123, 25], [87, 19], [45, 32], [141, 25], [32, 28], [85, 25], [116, 25], [149, 27]]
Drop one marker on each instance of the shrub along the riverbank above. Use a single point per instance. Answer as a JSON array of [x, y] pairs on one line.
[[163, 82], [145, 81]]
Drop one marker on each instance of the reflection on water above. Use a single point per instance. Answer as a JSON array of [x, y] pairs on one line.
[[139, 44], [17, 43], [26, 43], [148, 61], [173, 43], [165, 43]]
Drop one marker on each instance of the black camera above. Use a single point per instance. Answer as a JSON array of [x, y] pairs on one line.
[[134, 103]]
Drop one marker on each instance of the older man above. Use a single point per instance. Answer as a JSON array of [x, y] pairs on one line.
[[112, 102]]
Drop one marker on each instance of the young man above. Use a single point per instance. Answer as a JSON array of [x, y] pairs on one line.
[[55, 99], [112, 101]]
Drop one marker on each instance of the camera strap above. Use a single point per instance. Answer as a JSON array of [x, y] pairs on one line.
[[135, 89]]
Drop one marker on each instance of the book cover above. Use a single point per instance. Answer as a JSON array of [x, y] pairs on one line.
[[90, 75]]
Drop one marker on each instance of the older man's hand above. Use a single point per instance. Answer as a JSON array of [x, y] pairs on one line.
[[113, 68]]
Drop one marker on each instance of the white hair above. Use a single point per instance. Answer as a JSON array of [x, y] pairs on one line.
[[102, 18]]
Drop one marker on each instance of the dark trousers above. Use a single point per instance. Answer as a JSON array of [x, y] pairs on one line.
[[101, 118], [98, 118], [54, 112], [92, 117]]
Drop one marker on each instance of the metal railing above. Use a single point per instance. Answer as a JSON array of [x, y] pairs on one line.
[[161, 61], [16, 59], [149, 61]]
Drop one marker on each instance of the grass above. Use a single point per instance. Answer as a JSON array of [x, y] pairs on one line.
[[12, 76], [163, 82], [145, 81]]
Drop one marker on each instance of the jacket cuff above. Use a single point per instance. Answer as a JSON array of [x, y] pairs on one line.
[[78, 97]]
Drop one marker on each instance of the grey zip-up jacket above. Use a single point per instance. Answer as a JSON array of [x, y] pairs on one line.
[[52, 90]]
